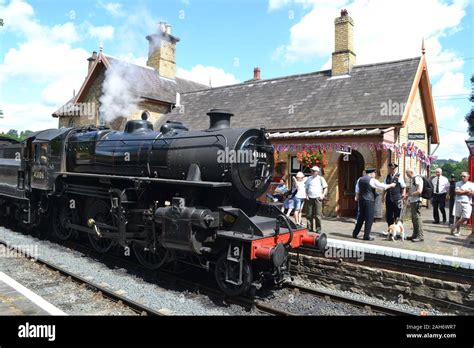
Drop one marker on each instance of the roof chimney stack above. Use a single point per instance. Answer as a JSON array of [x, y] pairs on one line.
[[256, 73], [92, 59], [162, 51], [343, 58]]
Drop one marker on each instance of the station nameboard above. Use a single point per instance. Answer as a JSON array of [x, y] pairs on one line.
[[416, 136], [344, 149]]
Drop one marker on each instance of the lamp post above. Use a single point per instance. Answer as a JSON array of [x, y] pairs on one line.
[[470, 146]]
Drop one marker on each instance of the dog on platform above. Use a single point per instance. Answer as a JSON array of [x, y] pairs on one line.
[[396, 230]]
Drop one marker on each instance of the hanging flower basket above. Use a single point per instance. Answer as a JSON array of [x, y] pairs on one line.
[[310, 159]]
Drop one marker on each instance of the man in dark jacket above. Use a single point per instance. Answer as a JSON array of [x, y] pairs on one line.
[[452, 196], [365, 195], [394, 197]]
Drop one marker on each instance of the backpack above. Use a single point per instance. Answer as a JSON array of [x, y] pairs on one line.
[[428, 189]]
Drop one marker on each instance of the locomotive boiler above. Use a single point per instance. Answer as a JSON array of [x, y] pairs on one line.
[[170, 195]]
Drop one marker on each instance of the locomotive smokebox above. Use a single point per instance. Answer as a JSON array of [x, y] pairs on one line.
[[219, 119]]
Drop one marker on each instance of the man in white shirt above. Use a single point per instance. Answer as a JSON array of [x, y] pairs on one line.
[[462, 206], [440, 189], [316, 190], [415, 200], [365, 195]]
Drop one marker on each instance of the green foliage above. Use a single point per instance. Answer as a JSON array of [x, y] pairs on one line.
[[470, 116], [13, 134], [452, 167]]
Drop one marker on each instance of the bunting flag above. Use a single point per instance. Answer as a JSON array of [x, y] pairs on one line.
[[406, 149]]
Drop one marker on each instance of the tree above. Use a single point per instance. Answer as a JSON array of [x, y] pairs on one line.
[[13, 133], [470, 115], [25, 134], [455, 168]]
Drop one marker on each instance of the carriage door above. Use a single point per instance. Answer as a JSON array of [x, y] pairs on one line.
[[350, 168]]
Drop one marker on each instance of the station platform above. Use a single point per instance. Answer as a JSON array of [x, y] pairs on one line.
[[15, 299], [439, 246]]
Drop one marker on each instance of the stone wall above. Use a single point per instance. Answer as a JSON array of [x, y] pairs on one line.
[[412, 289], [92, 98]]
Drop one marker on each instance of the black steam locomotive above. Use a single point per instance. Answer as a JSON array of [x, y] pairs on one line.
[[172, 195]]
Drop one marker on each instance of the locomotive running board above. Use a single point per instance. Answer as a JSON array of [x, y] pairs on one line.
[[157, 180]]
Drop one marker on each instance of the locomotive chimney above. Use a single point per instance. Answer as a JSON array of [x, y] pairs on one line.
[[219, 118]]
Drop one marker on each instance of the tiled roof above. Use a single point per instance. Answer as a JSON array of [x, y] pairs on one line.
[[307, 101], [329, 133], [148, 83]]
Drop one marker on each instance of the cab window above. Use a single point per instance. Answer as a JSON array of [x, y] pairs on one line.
[[41, 153]]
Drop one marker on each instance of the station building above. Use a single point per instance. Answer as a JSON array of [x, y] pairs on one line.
[[355, 116]]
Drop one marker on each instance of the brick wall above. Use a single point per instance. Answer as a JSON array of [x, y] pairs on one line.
[[343, 58], [415, 124]]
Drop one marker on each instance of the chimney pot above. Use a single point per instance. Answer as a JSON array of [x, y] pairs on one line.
[[256, 73]]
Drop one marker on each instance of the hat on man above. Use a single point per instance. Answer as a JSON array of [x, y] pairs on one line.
[[299, 175], [315, 169], [370, 170], [393, 165]]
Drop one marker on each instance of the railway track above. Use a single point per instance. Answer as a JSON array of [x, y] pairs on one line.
[[104, 292], [262, 307], [371, 307]]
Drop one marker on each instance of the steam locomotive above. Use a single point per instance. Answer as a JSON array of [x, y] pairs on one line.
[[172, 195]]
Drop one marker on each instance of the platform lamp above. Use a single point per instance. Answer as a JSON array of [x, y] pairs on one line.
[[470, 146]]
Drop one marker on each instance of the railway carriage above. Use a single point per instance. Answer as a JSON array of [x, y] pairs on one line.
[[170, 195]]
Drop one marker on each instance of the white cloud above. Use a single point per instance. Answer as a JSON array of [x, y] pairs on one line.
[[450, 84], [65, 33], [102, 33], [204, 74], [277, 4], [27, 116], [43, 58], [113, 8]]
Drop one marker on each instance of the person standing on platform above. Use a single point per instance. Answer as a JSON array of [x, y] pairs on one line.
[[452, 197], [300, 196], [462, 210], [415, 200], [357, 198], [441, 187], [316, 190], [365, 195], [394, 197]]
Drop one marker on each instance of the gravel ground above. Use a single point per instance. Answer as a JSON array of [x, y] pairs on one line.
[[57, 289], [120, 280], [357, 296], [306, 304]]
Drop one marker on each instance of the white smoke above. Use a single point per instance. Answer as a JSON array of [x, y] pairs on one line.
[[118, 98]]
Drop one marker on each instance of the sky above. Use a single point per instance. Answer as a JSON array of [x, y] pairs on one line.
[[44, 46]]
